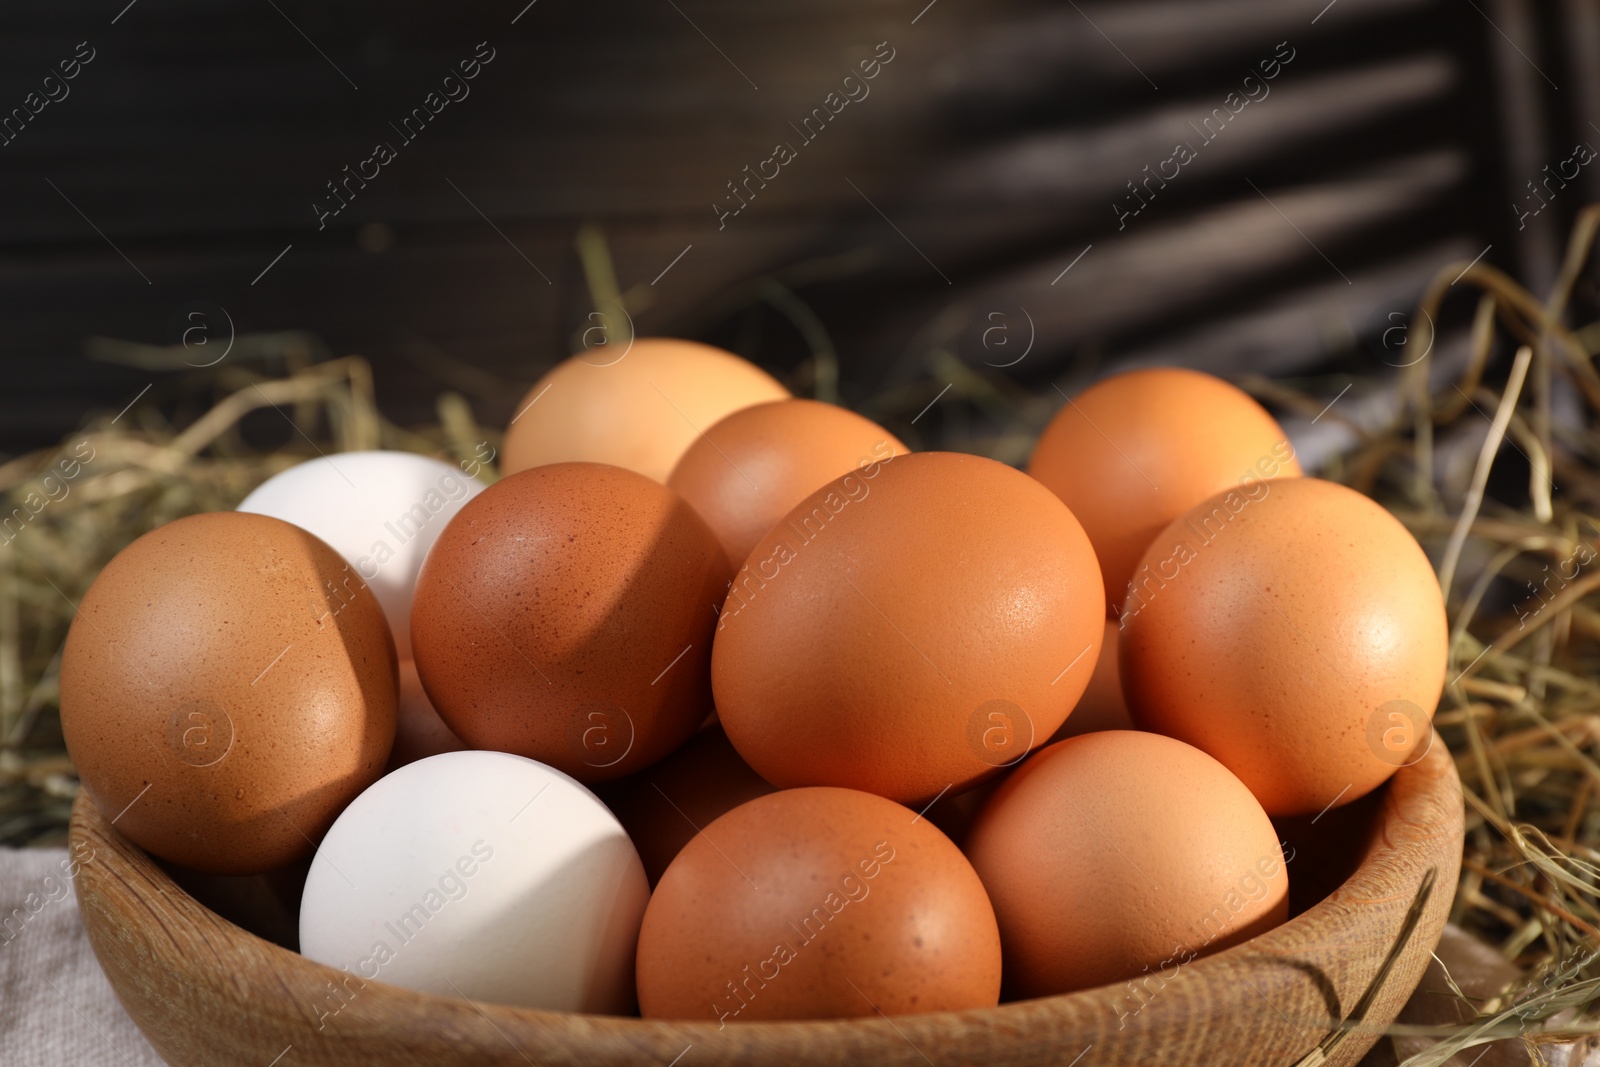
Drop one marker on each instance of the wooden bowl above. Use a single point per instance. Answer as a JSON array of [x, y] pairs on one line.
[[206, 991]]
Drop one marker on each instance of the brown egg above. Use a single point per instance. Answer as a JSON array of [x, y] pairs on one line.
[[419, 732], [639, 407], [817, 904], [1123, 854], [666, 805], [1101, 707], [746, 472], [908, 628], [227, 687], [565, 614], [1133, 452], [1295, 631]]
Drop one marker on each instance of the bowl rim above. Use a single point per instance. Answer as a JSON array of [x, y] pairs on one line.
[[1418, 824]]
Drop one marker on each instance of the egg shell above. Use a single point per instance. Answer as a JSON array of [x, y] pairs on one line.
[[664, 806], [419, 732], [227, 686], [566, 615], [480, 875], [910, 627], [1294, 631], [817, 904], [748, 470], [381, 511], [1102, 706], [1121, 852], [639, 407], [1136, 450]]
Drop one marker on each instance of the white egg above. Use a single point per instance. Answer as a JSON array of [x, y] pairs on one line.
[[481, 875], [381, 511]]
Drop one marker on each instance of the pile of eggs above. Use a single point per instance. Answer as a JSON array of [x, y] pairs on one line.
[[723, 705]]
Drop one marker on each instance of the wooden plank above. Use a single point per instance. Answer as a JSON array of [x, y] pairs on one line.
[[996, 141]]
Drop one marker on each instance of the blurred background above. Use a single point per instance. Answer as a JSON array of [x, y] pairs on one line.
[[1001, 207]]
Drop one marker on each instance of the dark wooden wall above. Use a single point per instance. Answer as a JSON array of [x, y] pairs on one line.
[[988, 155]]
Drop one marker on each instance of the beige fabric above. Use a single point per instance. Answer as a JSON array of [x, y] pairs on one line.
[[56, 1007]]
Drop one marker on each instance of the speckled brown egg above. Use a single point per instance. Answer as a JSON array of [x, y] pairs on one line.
[[909, 628], [1136, 450], [1295, 632], [227, 687], [565, 615], [745, 472], [1122, 854], [817, 904], [637, 404], [664, 806]]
